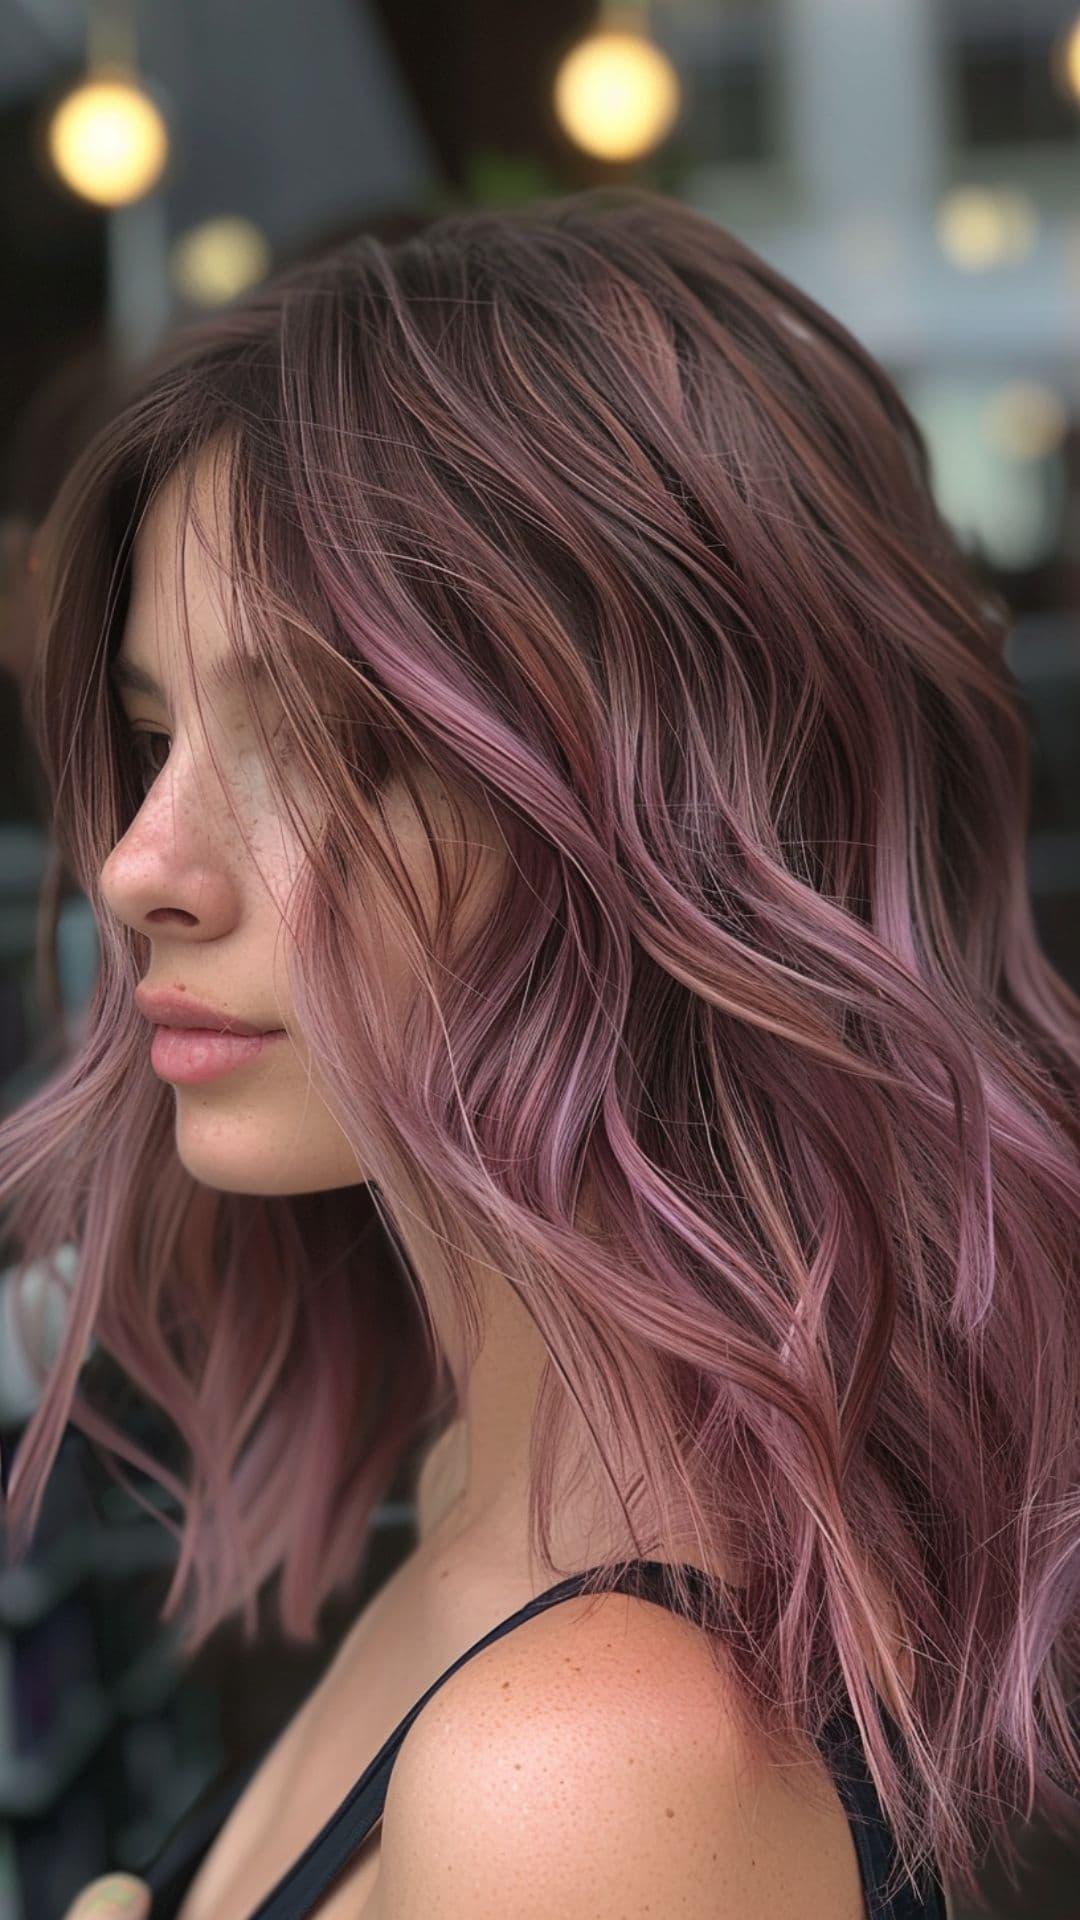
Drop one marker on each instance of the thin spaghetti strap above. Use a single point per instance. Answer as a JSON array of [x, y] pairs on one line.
[[307, 1880], [174, 1865], [300, 1889]]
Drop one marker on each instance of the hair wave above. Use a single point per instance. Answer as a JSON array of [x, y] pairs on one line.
[[590, 510]]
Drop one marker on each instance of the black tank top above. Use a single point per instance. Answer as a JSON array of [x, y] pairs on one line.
[[296, 1894]]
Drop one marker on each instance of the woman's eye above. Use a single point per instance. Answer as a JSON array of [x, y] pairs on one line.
[[143, 746], [146, 745]]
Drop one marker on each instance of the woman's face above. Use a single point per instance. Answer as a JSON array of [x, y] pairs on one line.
[[212, 907]]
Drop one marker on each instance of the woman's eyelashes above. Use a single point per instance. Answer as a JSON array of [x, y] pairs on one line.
[[143, 755]]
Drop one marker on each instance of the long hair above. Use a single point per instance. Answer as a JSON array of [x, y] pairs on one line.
[[588, 510]]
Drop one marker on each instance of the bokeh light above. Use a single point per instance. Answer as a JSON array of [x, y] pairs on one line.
[[616, 95], [108, 141], [219, 259]]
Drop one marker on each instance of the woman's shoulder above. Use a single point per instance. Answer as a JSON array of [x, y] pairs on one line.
[[589, 1750]]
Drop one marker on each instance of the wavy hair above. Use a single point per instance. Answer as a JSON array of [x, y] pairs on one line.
[[589, 510]]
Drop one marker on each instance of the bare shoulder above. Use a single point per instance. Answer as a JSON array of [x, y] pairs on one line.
[[589, 1764]]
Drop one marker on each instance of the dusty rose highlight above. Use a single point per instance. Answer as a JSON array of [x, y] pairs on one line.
[[758, 1087]]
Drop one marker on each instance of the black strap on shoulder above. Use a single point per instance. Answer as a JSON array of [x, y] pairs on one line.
[[307, 1880]]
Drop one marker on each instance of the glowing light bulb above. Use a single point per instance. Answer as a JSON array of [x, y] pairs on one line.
[[108, 141], [616, 95]]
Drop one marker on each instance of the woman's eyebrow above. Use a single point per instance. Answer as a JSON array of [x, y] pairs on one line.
[[127, 677]]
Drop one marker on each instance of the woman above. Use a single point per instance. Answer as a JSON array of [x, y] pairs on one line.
[[512, 692]]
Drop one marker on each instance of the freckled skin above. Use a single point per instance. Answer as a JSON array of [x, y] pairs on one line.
[[530, 1739]]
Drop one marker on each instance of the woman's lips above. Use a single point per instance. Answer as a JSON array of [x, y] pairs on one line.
[[191, 1054]]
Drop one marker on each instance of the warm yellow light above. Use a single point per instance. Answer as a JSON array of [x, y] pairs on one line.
[[1069, 59], [985, 227], [616, 95], [1025, 420], [108, 141], [218, 259]]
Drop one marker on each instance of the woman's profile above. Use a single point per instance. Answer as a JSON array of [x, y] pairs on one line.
[[554, 803]]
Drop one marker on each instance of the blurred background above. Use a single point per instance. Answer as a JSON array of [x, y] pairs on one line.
[[914, 164]]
